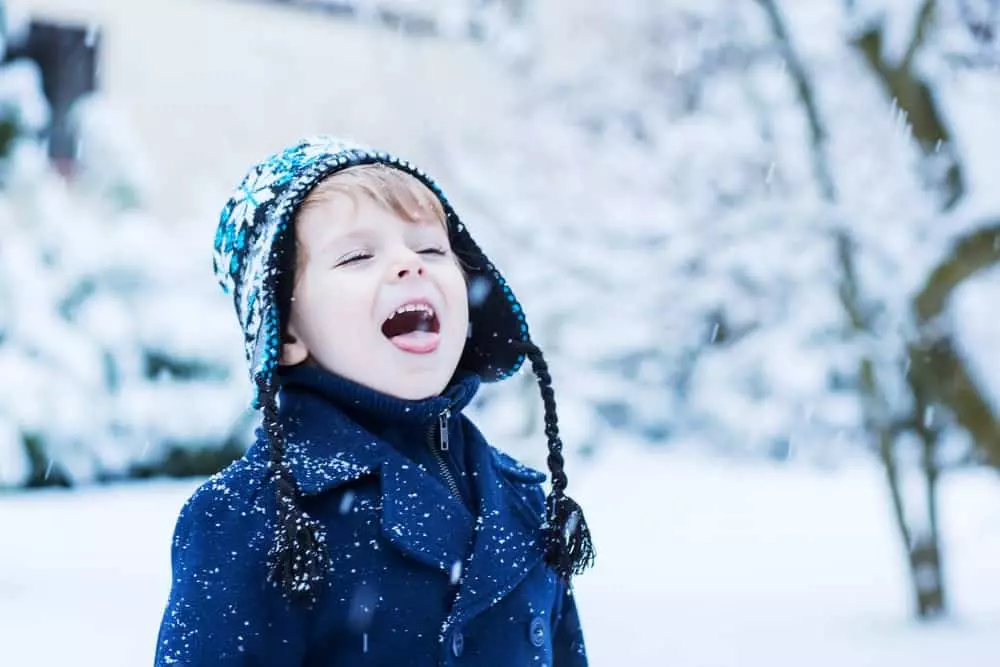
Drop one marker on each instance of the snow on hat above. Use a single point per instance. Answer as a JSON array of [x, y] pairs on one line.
[[248, 264]]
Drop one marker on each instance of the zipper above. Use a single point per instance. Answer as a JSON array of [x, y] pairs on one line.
[[443, 428], [440, 444]]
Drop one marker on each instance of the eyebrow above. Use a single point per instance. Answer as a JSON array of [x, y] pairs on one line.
[[433, 226], [364, 234], [353, 236]]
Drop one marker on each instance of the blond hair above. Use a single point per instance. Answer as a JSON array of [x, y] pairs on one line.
[[391, 188]]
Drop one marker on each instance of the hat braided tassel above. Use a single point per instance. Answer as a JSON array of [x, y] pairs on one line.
[[569, 547], [298, 557]]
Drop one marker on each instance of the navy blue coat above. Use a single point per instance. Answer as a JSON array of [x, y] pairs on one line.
[[436, 554]]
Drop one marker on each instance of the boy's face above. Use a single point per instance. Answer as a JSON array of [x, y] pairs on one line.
[[378, 299]]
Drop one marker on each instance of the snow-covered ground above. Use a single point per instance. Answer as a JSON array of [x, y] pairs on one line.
[[702, 564]]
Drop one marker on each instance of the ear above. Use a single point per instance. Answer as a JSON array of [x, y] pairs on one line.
[[293, 349]]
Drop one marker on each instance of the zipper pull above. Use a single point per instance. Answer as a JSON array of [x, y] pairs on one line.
[[443, 425]]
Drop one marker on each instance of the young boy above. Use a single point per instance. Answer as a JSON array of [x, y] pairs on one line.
[[370, 523]]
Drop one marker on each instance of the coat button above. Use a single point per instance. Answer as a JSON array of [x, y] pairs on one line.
[[537, 632], [457, 643]]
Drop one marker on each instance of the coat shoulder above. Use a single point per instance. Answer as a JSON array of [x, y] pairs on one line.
[[228, 503], [222, 608], [514, 469], [239, 482]]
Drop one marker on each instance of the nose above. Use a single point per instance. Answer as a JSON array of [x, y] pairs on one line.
[[408, 265]]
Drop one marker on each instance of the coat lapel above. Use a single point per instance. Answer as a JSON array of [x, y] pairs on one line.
[[507, 542], [421, 517]]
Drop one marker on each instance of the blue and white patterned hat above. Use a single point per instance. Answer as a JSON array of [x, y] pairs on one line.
[[261, 211]]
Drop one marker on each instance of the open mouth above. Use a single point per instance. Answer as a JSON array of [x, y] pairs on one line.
[[413, 327]]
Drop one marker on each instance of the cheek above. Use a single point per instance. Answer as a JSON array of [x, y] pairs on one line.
[[457, 292], [325, 304]]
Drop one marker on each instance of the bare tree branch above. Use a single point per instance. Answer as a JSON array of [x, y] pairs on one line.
[[797, 71], [971, 254], [915, 96], [924, 19], [936, 367], [983, 29]]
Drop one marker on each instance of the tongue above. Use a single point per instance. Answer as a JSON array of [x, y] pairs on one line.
[[419, 342]]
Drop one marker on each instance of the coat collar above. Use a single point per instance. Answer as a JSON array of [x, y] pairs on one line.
[[329, 422], [359, 401], [326, 448]]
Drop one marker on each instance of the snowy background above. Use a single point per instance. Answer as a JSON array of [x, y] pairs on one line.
[[758, 240]]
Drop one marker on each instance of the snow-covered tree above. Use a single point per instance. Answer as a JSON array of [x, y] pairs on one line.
[[113, 345], [676, 175], [112, 339], [743, 223]]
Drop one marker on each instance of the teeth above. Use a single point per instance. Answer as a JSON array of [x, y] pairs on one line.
[[413, 307]]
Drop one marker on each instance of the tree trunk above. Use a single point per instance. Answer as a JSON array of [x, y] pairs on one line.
[[927, 572], [926, 575], [923, 551]]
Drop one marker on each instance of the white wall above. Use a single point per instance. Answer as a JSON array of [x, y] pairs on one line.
[[210, 86]]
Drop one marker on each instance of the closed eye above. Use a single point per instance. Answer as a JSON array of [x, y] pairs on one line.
[[354, 258], [434, 251]]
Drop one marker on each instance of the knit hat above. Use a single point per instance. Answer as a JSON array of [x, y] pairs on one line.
[[250, 261]]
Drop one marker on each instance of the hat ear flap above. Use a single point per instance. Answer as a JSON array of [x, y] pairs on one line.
[[284, 258]]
